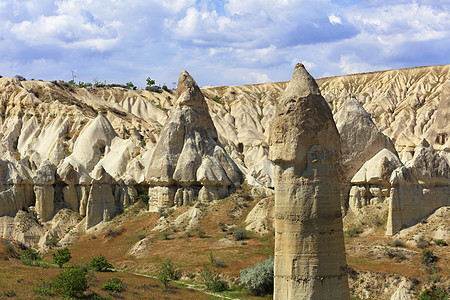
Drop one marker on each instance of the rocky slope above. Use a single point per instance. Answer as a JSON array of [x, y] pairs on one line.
[[96, 151]]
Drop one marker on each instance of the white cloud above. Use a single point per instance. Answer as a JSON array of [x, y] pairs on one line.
[[222, 42], [334, 19]]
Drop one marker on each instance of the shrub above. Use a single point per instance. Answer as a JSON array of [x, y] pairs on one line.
[[216, 262], [398, 243], [113, 285], [143, 197], [44, 288], [166, 235], [100, 264], [212, 280], [433, 293], [29, 254], [258, 279], [441, 242], [20, 77], [167, 272], [216, 98], [422, 243], [61, 256], [223, 227], [354, 231], [395, 254], [240, 234], [428, 258], [9, 247], [201, 233], [71, 282], [141, 236]]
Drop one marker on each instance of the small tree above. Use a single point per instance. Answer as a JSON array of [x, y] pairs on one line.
[[71, 282], [131, 86], [150, 82], [212, 280], [167, 272], [100, 264], [61, 256]]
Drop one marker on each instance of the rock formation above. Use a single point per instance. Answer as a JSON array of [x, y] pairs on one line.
[[309, 243], [418, 188], [189, 162], [87, 132]]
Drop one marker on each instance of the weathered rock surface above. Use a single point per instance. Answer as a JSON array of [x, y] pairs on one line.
[[360, 137], [190, 154], [309, 243], [80, 131]]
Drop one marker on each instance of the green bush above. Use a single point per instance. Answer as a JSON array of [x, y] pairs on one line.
[[354, 231], [113, 285], [61, 256], [71, 282], [240, 234], [216, 98], [398, 243], [100, 264], [422, 243], [441, 242], [52, 241], [258, 279], [434, 293], [428, 258], [212, 280], [29, 254], [216, 262], [395, 254], [44, 288], [143, 197]]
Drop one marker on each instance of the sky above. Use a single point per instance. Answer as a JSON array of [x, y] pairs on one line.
[[220, 42]]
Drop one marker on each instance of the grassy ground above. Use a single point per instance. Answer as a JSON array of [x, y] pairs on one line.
[[190, 249]]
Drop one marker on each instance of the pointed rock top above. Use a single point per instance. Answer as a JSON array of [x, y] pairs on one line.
[[188, 92], [303, 119], [302, 83]]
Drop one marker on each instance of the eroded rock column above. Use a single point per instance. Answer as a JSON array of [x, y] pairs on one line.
[[309, 243]]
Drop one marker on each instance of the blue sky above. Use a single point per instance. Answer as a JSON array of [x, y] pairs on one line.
[[227, 42]]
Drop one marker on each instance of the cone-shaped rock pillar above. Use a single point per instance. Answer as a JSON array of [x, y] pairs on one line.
[[310, 258], [188, 156]]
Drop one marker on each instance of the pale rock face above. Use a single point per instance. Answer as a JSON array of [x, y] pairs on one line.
[[360, 137], [260, 218], [160, 197], [22, 228], [378, 169], [91, 145], [189, 219], [309, 243], [101, 204], [428, 166], [409, 200]]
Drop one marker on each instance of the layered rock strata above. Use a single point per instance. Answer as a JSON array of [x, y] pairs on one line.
[[188, 162], [310, 258]]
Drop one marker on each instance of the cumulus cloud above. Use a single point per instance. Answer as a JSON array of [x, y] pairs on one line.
[[219, 42]]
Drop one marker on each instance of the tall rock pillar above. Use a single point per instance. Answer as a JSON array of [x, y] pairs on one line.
[[309, 243]]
